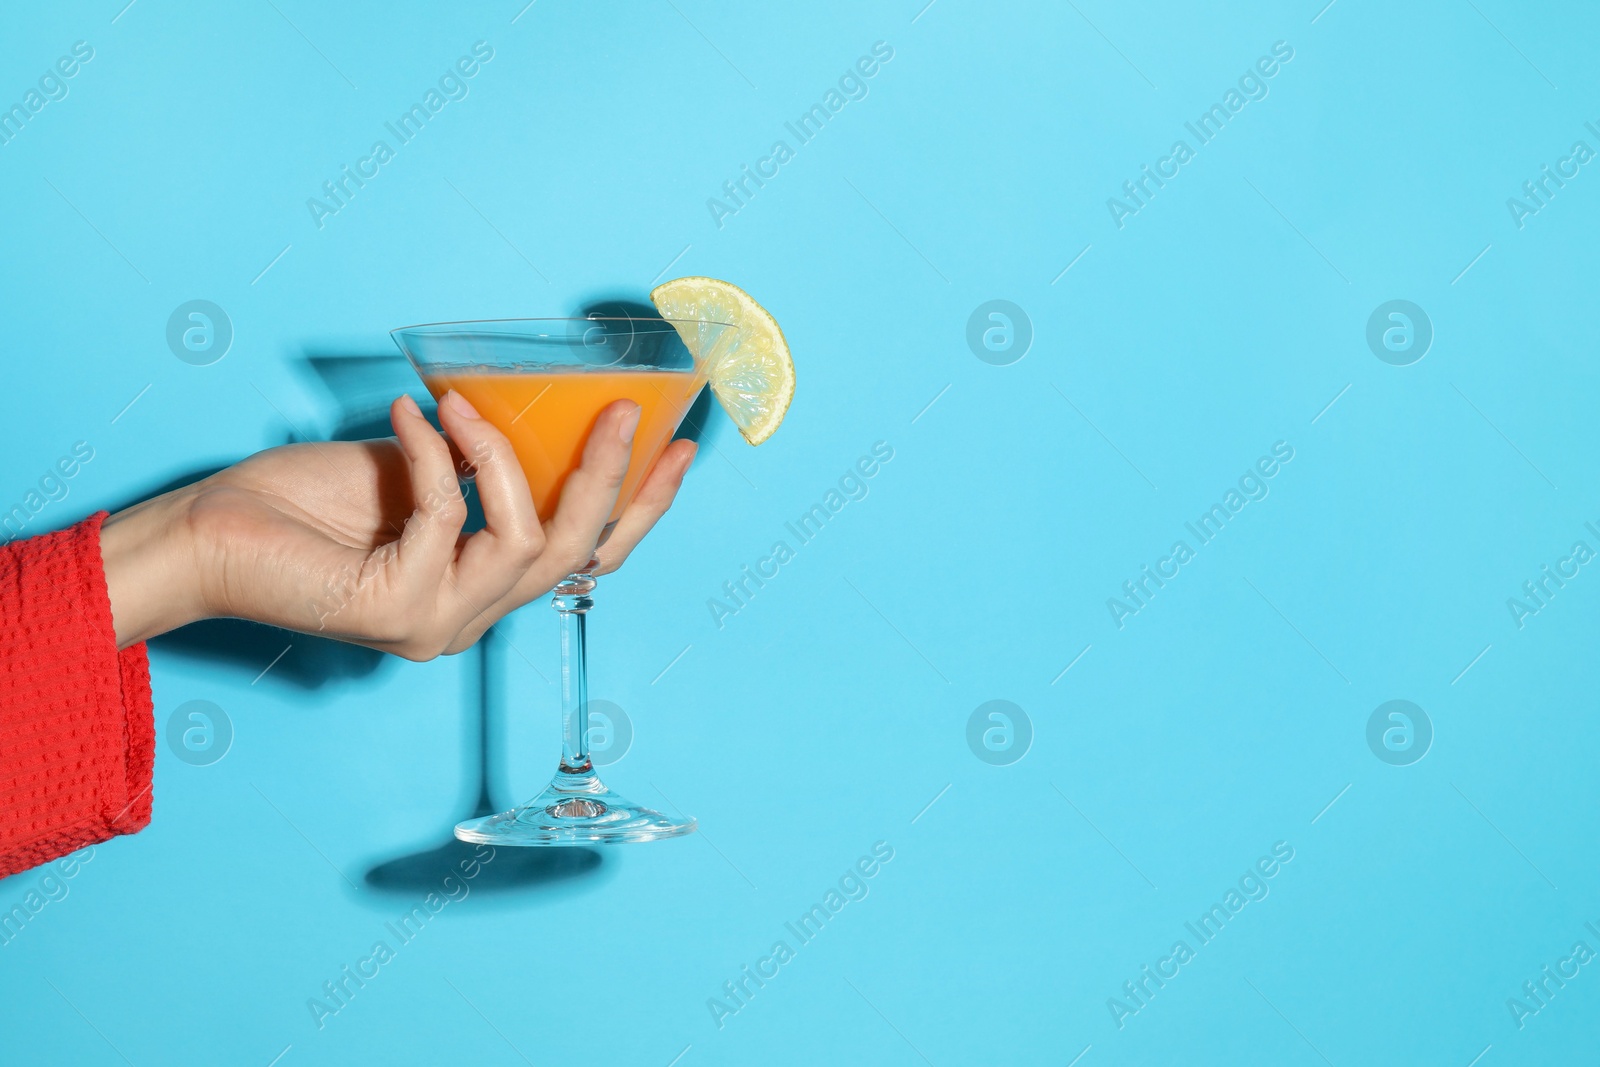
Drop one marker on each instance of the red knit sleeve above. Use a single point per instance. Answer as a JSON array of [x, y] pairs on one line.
[[77, 728]]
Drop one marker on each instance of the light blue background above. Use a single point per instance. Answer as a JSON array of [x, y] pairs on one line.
[[825, 716]]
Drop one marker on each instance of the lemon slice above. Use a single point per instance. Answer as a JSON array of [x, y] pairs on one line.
[[749, 367]]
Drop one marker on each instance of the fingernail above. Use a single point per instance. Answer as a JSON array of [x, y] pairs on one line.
[[688, 461], [410, 404], [459, 405], [630, 424]]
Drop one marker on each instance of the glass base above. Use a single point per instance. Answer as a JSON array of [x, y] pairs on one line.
[[575, 809]]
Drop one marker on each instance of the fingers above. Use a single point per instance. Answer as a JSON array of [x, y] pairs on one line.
[[591, 491], [428, 542], [493, 559], [655, 496], [456, 587]]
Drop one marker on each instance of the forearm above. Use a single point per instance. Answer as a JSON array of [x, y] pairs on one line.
[[151, 568]]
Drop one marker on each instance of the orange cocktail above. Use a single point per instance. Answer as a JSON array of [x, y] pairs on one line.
[[543, 383], [547, 414]]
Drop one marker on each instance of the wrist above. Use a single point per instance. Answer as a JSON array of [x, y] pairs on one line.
[[151, 570]]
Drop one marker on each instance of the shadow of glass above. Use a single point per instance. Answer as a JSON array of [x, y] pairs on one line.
[[501, 871], [511, 870], [363, 387]]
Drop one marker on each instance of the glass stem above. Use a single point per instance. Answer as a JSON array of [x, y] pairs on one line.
[[572, 602]]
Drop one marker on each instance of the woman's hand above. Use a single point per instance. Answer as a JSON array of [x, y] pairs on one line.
[[362, 541]]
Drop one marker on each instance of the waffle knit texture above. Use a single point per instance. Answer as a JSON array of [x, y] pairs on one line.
[[77, 727]]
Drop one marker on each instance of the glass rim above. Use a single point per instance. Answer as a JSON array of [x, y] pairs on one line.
[[561, 319]]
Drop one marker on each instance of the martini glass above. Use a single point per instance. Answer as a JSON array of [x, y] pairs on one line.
[[542, 383]]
